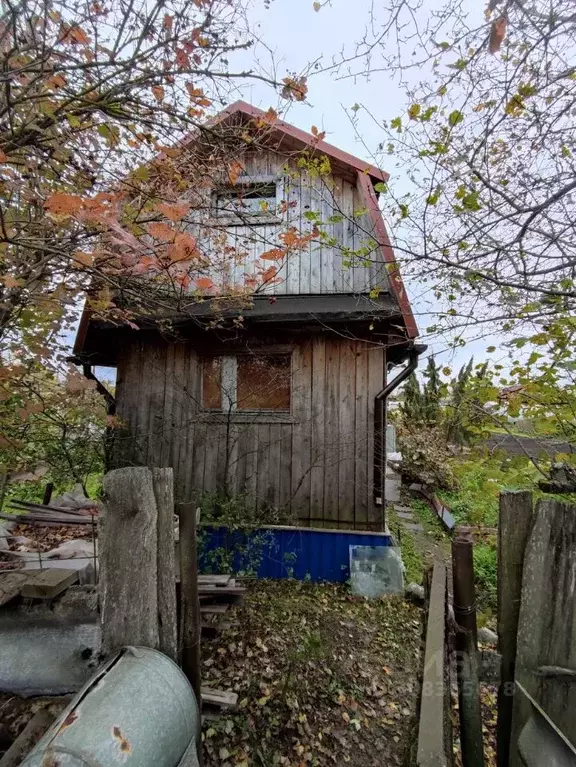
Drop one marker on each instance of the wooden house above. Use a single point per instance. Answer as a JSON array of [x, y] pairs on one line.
[[285, 405]]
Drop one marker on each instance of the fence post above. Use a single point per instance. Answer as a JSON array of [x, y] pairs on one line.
[[190, 626], [514, 525], [466, 646], [128, 560], [163, 480]]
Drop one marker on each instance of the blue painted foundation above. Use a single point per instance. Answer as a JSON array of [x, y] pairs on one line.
[[286, 552]]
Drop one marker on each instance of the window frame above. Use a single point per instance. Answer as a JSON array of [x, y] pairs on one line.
[[229, 372], [247, 218]]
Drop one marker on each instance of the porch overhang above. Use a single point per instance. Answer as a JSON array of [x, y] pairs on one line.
[[99, 342]]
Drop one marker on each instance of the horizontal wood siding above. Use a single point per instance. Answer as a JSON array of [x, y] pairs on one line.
[[314, 468]]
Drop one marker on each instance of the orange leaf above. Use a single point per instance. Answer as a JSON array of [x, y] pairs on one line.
[[234, 171], [3, 156], [83, 259], [204, 283], [184, 247], [273, 255], [158, 92], [269, 274], [497, 32], [295, 88], [175, 212], [168, 22], [61, 203], [74, 34], [161, 231], [56, 81]]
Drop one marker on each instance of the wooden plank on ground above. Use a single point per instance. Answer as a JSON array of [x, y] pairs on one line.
[[221, 698], [10, 585], [215, 609], [216, 580], [47, 584]]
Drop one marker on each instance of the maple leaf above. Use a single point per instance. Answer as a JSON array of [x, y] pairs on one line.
[[295, 88], [168, 22], [3, 156], [74, 34], [184, 247], [174, 211], [497, 32], [274, 254], [234, 171], [158, 92], [161, 231], [63, 204], [204, 283], [269, 274]]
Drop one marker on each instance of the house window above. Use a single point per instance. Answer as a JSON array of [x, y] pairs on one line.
[[255, 202], [246, 382]]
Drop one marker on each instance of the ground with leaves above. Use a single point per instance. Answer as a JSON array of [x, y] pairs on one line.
[[322, 678]]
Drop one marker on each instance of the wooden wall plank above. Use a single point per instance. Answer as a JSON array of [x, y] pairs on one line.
[[318, 460], [347, 430], [331, 432], [362, 487], [301, 409], [285, 474], [376, 379]]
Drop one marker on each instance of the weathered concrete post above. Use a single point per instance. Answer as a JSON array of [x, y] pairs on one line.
[[514, 524], [128, 583], [163, 480]]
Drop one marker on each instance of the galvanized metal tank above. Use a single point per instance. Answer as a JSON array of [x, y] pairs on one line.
[[138, 710]]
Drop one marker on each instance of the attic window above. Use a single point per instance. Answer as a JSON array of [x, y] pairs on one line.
[[246, 382], [255, 202]]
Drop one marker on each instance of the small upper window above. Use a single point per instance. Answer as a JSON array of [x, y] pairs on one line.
[[241, 202], [246, 382]]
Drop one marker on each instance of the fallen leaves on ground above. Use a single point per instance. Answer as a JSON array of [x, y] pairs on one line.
[[322, 678], [489, 706]]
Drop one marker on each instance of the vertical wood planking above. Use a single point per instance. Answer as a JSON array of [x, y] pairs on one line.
[[145, 364], [375, 384], [263, 481], [285, 474], [251, 432], [301, 374], [331, 190], [343, 277], [157, 363], [304, 226], [293, 259], [331, 432], [363, 394], [274, 470], [192, 394], [346, 452], [179, 431], [318, 458]]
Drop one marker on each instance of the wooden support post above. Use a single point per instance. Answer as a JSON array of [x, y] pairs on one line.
[[514, 525], [163, 480], [464, 590], [48, 490], [466, 646], [190, 620], [128, 582]]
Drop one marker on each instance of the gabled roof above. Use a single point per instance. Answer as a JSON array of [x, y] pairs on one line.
[[300, 139]]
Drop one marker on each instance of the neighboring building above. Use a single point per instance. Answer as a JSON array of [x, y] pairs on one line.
[[281, 406]]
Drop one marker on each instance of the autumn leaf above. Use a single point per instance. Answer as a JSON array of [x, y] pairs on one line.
[[274, 254], [81, 258], [497, 32], [204, 283], [269, 274], [3, 156], [63, 204], [318, 135], [173, 211], [234, 171], [158, 92], [295, 88], [10, 281], [161, 231], [168, 22], [185, 247], [74, 34]]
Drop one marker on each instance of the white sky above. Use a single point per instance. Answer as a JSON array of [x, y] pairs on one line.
[[293, 35]]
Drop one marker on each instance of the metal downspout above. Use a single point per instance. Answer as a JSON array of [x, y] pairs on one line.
[[380, 423]]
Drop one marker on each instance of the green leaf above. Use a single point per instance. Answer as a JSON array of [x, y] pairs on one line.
[[381, 187], [414, 111], [455, 117], [316, 6], [491, 349], [396, 124], [311, 215], [403, 210]]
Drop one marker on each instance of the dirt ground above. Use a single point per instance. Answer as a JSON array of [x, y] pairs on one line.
[[322, 678]]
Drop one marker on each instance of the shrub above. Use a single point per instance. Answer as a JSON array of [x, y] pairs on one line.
[[486, 577]]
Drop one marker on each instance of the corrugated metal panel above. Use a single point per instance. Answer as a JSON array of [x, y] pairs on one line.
[[291, 552]]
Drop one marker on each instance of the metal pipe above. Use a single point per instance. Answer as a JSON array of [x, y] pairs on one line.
[[380, 422]]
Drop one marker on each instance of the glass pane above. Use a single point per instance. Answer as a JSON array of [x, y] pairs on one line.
[[211, 383], [263, 383], [254, 199]]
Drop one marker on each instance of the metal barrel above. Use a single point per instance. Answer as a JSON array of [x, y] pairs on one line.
[[138, 710]]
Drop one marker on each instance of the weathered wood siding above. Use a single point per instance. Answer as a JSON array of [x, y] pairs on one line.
[[314, 464], [325, 266]]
